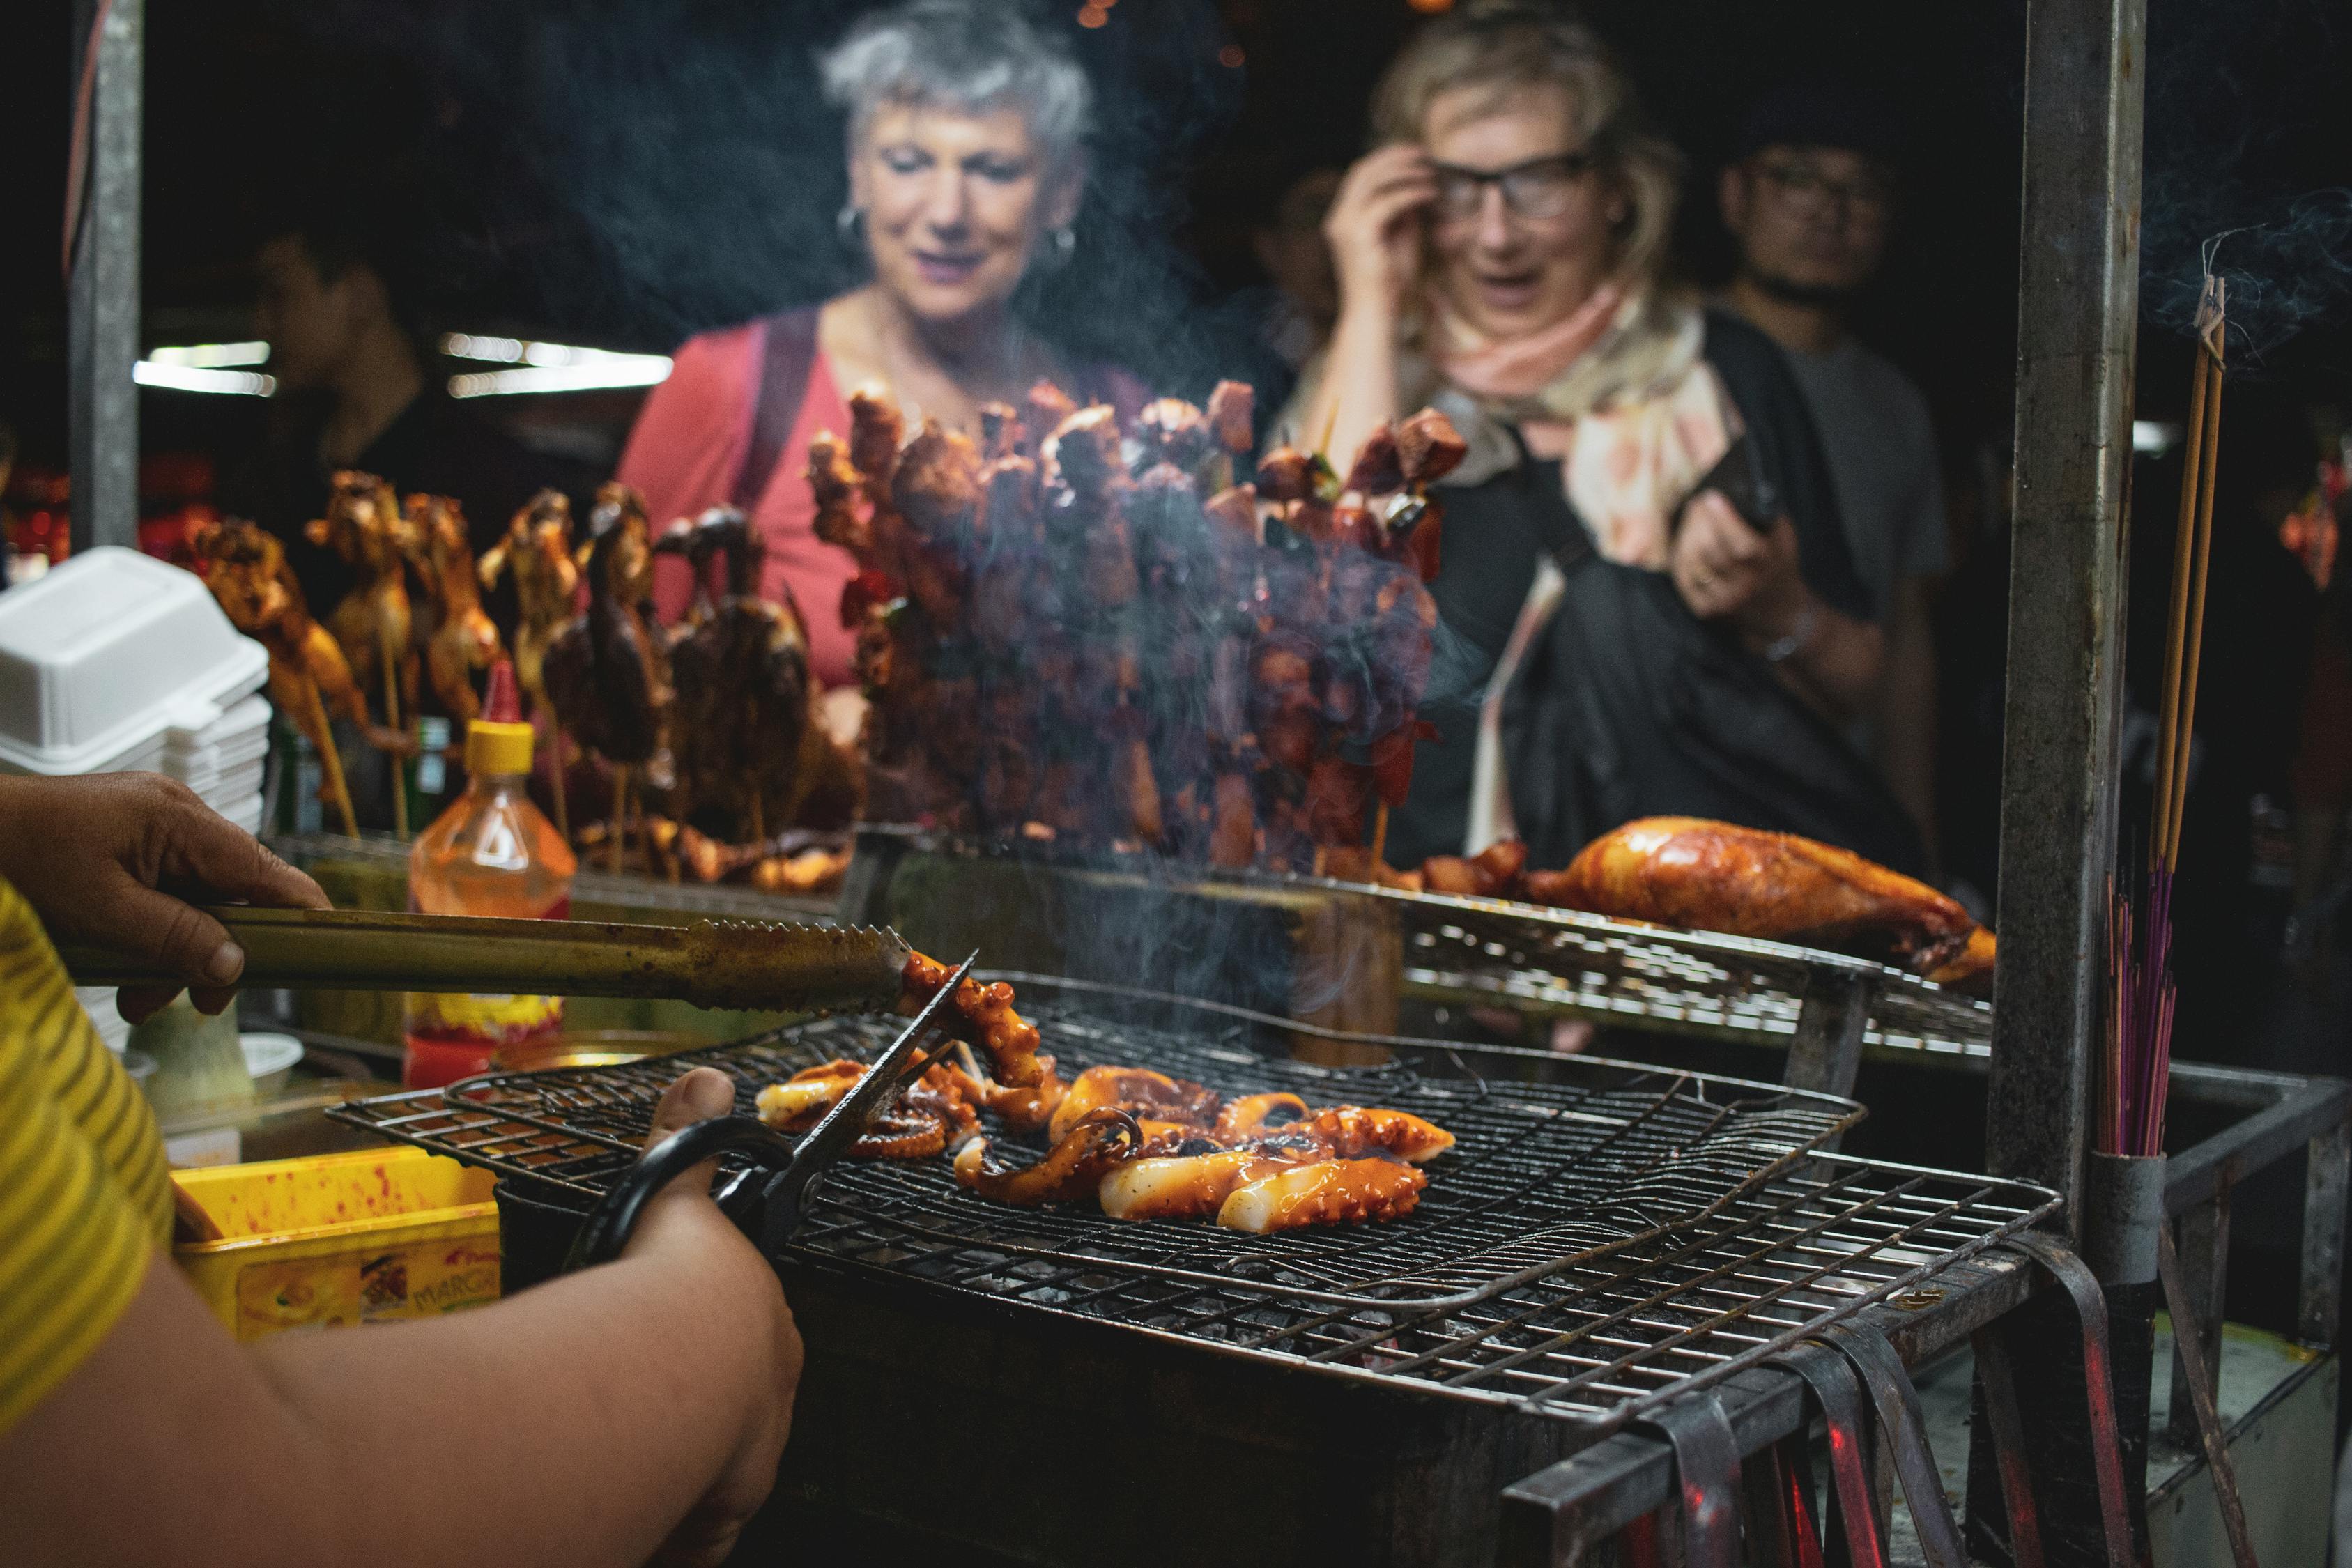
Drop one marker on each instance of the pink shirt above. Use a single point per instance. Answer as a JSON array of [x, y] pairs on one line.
[[689, 445]]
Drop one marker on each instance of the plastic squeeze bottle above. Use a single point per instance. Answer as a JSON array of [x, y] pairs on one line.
[[491, 853]]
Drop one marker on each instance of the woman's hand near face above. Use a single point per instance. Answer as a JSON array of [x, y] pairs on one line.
[[1374, 228]]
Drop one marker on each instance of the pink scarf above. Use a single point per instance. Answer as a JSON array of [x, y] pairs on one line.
[[1626, 460]]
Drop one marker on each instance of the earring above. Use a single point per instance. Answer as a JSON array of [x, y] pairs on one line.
[[849, 223], [1065, 244]]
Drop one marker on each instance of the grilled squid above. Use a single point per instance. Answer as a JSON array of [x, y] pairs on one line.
[[1138, 1090], [794, 1105], [983, 1014], [1099, 1142], [1182, 1186], [1351, 1130], [1024, 1109], [1254, 1113], [1327, 1191]]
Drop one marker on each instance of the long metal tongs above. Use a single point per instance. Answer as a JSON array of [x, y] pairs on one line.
[[712, 963], [790, 1168]]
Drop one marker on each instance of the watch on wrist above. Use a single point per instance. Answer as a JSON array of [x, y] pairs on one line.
[[1782, 648]]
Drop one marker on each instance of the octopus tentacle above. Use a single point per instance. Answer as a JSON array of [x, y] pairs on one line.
[[1138, 1090], [902, 1131], [1352, 1131], [1253, 1112], [1327, 1191], [1024, 1109], [1100, 1140], [1183, 1186], [982, 1015], [796, 1104]]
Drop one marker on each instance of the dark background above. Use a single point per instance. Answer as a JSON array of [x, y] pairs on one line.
[[624, 173]]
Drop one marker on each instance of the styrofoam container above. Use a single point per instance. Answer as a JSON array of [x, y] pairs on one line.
[[243, 725], [245, 812], [100, 656]]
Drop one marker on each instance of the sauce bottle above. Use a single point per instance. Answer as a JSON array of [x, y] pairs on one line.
[[491, 853]]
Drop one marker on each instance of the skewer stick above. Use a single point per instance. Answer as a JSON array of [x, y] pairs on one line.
[[555, 740], [391, 721], [2183, 541], [331, 760], [620, 812], [2185, 731], [1379, 837]]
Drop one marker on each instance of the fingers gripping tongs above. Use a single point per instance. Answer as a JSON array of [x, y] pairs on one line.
[[768, 1199]]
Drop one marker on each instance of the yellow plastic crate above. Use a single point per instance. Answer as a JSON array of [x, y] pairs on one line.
[[339, 1238]]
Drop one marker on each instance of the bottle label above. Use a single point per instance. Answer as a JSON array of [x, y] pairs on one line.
[[483, 1022]]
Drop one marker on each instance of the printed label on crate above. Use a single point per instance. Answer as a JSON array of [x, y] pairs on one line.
[[416, 1280]]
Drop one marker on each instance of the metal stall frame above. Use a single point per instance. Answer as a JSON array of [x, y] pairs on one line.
[[102, 267]]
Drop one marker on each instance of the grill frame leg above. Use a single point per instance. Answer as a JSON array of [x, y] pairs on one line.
[[1905, 1428], [1707, 1477]]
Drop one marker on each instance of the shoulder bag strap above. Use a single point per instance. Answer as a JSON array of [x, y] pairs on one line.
[[784, 369]]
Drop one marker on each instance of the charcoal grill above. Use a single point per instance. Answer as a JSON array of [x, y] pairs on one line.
[[1605, 1238]]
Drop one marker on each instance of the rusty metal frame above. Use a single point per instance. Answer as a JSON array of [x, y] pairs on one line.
[[102, 285]]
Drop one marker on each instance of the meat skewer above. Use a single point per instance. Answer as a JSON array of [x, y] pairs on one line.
[[464, 638], [605, 671], [373, 622], [537, 550]]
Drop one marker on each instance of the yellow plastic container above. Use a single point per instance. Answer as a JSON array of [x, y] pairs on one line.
[[339, 1238]]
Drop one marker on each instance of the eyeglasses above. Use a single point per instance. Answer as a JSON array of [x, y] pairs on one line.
[[1808, 193], [1539, 188]]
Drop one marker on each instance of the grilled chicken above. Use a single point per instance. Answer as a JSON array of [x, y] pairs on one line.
[[1713, 876], [372, 625], [463, 638], [537, 549], [606, 672]]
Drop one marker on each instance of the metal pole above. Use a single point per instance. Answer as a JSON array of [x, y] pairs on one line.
[[102, 402], [2078, 301]]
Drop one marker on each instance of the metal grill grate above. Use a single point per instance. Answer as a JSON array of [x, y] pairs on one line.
[[1588, 1246]]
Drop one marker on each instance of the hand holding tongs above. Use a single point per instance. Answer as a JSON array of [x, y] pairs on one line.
[[712, 963], [789, 1168]]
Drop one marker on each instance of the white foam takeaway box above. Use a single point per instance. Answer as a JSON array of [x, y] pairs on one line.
[[103, 655]]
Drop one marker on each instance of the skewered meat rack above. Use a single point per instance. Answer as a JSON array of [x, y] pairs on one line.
[[1442, 947], [1596, 1244]]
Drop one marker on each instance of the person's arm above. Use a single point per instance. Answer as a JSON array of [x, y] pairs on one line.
[[589, 1421], [1906, 707], [1374, 230], [582, 1422], [1725, 569]]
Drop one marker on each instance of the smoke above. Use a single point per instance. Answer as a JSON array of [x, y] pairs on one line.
[[638, 171], [2229, 181]]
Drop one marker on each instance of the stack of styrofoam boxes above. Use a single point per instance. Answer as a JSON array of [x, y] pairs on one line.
[[117, 663]]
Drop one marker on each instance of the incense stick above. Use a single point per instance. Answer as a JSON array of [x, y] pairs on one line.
[[2183, 542], [2186, 729]]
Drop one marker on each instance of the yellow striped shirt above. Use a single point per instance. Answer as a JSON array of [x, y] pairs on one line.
[[85, 1197]]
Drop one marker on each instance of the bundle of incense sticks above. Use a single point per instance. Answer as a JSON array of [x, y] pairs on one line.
[[2140, 934]]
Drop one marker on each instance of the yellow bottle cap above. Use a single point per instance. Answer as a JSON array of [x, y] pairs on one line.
[[493, 747]]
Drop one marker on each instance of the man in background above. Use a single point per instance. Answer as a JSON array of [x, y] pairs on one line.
[[359, 388], [1810, 198]]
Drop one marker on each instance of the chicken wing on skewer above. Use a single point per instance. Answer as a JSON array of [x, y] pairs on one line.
[[463, 640], [372, 625]]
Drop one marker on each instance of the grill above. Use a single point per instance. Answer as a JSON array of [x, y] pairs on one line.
[[1603, 1238]]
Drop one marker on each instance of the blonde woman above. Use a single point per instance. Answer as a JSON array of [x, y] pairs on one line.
[[1625, 640]]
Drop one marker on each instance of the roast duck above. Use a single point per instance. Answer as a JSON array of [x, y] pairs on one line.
[[1712, 876]]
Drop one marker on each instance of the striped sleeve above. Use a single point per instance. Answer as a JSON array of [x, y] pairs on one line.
[[85, 1197]]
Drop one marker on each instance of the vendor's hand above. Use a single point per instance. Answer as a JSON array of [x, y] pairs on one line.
[[684, 1223], [1725, 569], [1374, 226], [116, 858]]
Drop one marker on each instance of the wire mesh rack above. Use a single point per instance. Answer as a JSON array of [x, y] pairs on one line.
[[1465, 950], [1590, 1246]]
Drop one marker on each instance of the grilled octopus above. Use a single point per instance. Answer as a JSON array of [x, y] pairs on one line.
[[1097, 1144], [1139, 1091], [981, 1014], [1022, 1109], [930, 1116]]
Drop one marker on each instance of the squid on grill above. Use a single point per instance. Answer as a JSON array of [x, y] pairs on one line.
[[1182, 1186], [1097, 1144], [1254, 1112], [1350, 1130], [1327, 1192], [1139, 1091], [1023, 1110]]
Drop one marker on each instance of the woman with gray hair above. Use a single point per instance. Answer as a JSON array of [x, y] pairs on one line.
[[967, 165], [1629, 643]]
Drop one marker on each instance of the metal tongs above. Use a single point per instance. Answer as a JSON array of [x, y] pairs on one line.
[[712, 963], [783, 1170]]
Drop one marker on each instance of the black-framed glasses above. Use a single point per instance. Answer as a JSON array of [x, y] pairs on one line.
[[1805, 191], [1539, 188]]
